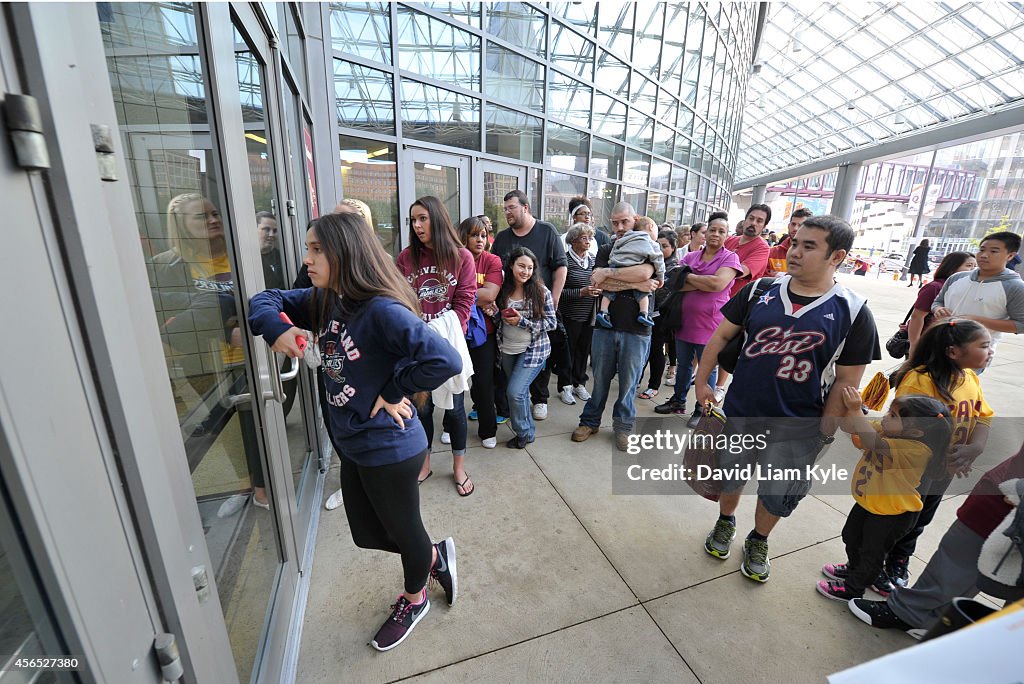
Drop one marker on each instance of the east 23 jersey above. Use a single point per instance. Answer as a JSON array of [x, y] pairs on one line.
[[792, 345]]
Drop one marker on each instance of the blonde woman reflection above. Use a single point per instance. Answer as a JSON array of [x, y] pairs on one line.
[[193, 293]]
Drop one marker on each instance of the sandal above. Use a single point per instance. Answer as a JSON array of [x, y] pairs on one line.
[[648, 394], [460, 487], [429, 473]]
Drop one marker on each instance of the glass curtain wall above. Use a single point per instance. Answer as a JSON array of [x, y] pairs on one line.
[[610, 100]]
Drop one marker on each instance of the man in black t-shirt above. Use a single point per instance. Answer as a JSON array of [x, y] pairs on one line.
[[621, 350], [807, 338], [542, 239]]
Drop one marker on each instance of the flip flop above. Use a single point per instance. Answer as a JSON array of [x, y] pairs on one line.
[[460, 487], [648, 394], [429, 473]]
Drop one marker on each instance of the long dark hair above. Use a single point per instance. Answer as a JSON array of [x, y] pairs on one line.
[[951, 263], [533, 289], [931, 354], [932, 418], [443, 238], [360, 269]]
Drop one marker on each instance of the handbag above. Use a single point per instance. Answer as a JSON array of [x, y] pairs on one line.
[[899, 344], [703, 451]]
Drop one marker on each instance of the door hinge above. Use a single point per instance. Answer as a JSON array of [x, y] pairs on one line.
[[25, 125], [167, 655], [290, 204]]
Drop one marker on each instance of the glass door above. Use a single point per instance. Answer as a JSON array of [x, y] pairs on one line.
[[445, 176], [494, 180], [209, 244]]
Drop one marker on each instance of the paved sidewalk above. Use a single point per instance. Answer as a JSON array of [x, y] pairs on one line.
[[562, 581]]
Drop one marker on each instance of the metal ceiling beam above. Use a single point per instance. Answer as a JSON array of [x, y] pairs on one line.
[[967, 129]]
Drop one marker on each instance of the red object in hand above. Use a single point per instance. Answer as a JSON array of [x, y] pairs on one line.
[[300, 342], [509, 312]]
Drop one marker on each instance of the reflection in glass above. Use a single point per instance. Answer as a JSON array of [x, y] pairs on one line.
[[569, 99], [364, 98], [691, 54], [674, 215], [512, 77], [173, 169], [643, 94], [363, 29], [437, 50], [657, 206], [519, 24], [603, 196], [272, 247], [637, 167], [640, 130], [612, 74], [466, 12], [609, 116], [369, 172], [496, 186], [440, 116], [559, 188], [659, 174], [572, 52], [513, 134], [293, 42], [636, 198], [650, 20], [615, 28], [442, 182], [580, 15], [672, 50], [664, 137], [606, 159], [566, 148]]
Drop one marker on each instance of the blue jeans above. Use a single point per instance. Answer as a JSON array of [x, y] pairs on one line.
[[686, 354], [518, 392], [615, 352]]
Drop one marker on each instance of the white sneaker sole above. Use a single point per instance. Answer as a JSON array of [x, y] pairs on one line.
[[333, 501], [449, 546], [407, 632]]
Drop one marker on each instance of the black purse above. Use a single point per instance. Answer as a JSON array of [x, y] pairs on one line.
[[899, 344]]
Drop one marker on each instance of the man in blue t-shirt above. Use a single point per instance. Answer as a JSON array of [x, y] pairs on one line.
[[807, 337]]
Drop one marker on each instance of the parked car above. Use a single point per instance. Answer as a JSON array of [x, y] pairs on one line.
[[893, 261]]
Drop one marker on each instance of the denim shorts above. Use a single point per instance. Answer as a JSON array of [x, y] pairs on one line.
[[787, 460]]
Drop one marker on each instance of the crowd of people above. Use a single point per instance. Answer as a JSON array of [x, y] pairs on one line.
[[465, 309]]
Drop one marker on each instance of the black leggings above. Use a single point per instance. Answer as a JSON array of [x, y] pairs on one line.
[[656, 359], [383, 508], [482, 390]]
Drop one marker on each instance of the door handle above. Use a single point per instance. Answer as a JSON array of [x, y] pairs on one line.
[[291, 374]]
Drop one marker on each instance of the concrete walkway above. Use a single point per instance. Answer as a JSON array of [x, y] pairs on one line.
[[560, 580]]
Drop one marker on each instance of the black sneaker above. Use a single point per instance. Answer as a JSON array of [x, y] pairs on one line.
[[898, 569], [404, 617], [444, 571], [879, 614], [694, 420], [671, 406], [883, 584]]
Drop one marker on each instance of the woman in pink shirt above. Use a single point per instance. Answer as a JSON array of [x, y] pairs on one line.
[[443, 274], [712, 270]]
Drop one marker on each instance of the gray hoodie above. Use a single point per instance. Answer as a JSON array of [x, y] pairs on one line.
[[637, 247], [1000, 297]]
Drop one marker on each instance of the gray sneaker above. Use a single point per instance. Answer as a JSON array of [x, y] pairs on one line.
[[720, 539], [756, 565]]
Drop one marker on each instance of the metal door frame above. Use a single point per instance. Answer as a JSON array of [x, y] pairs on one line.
[[407, 182]]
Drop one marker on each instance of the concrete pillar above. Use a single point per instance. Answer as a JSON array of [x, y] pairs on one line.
[[847, 182], [758, 195]]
